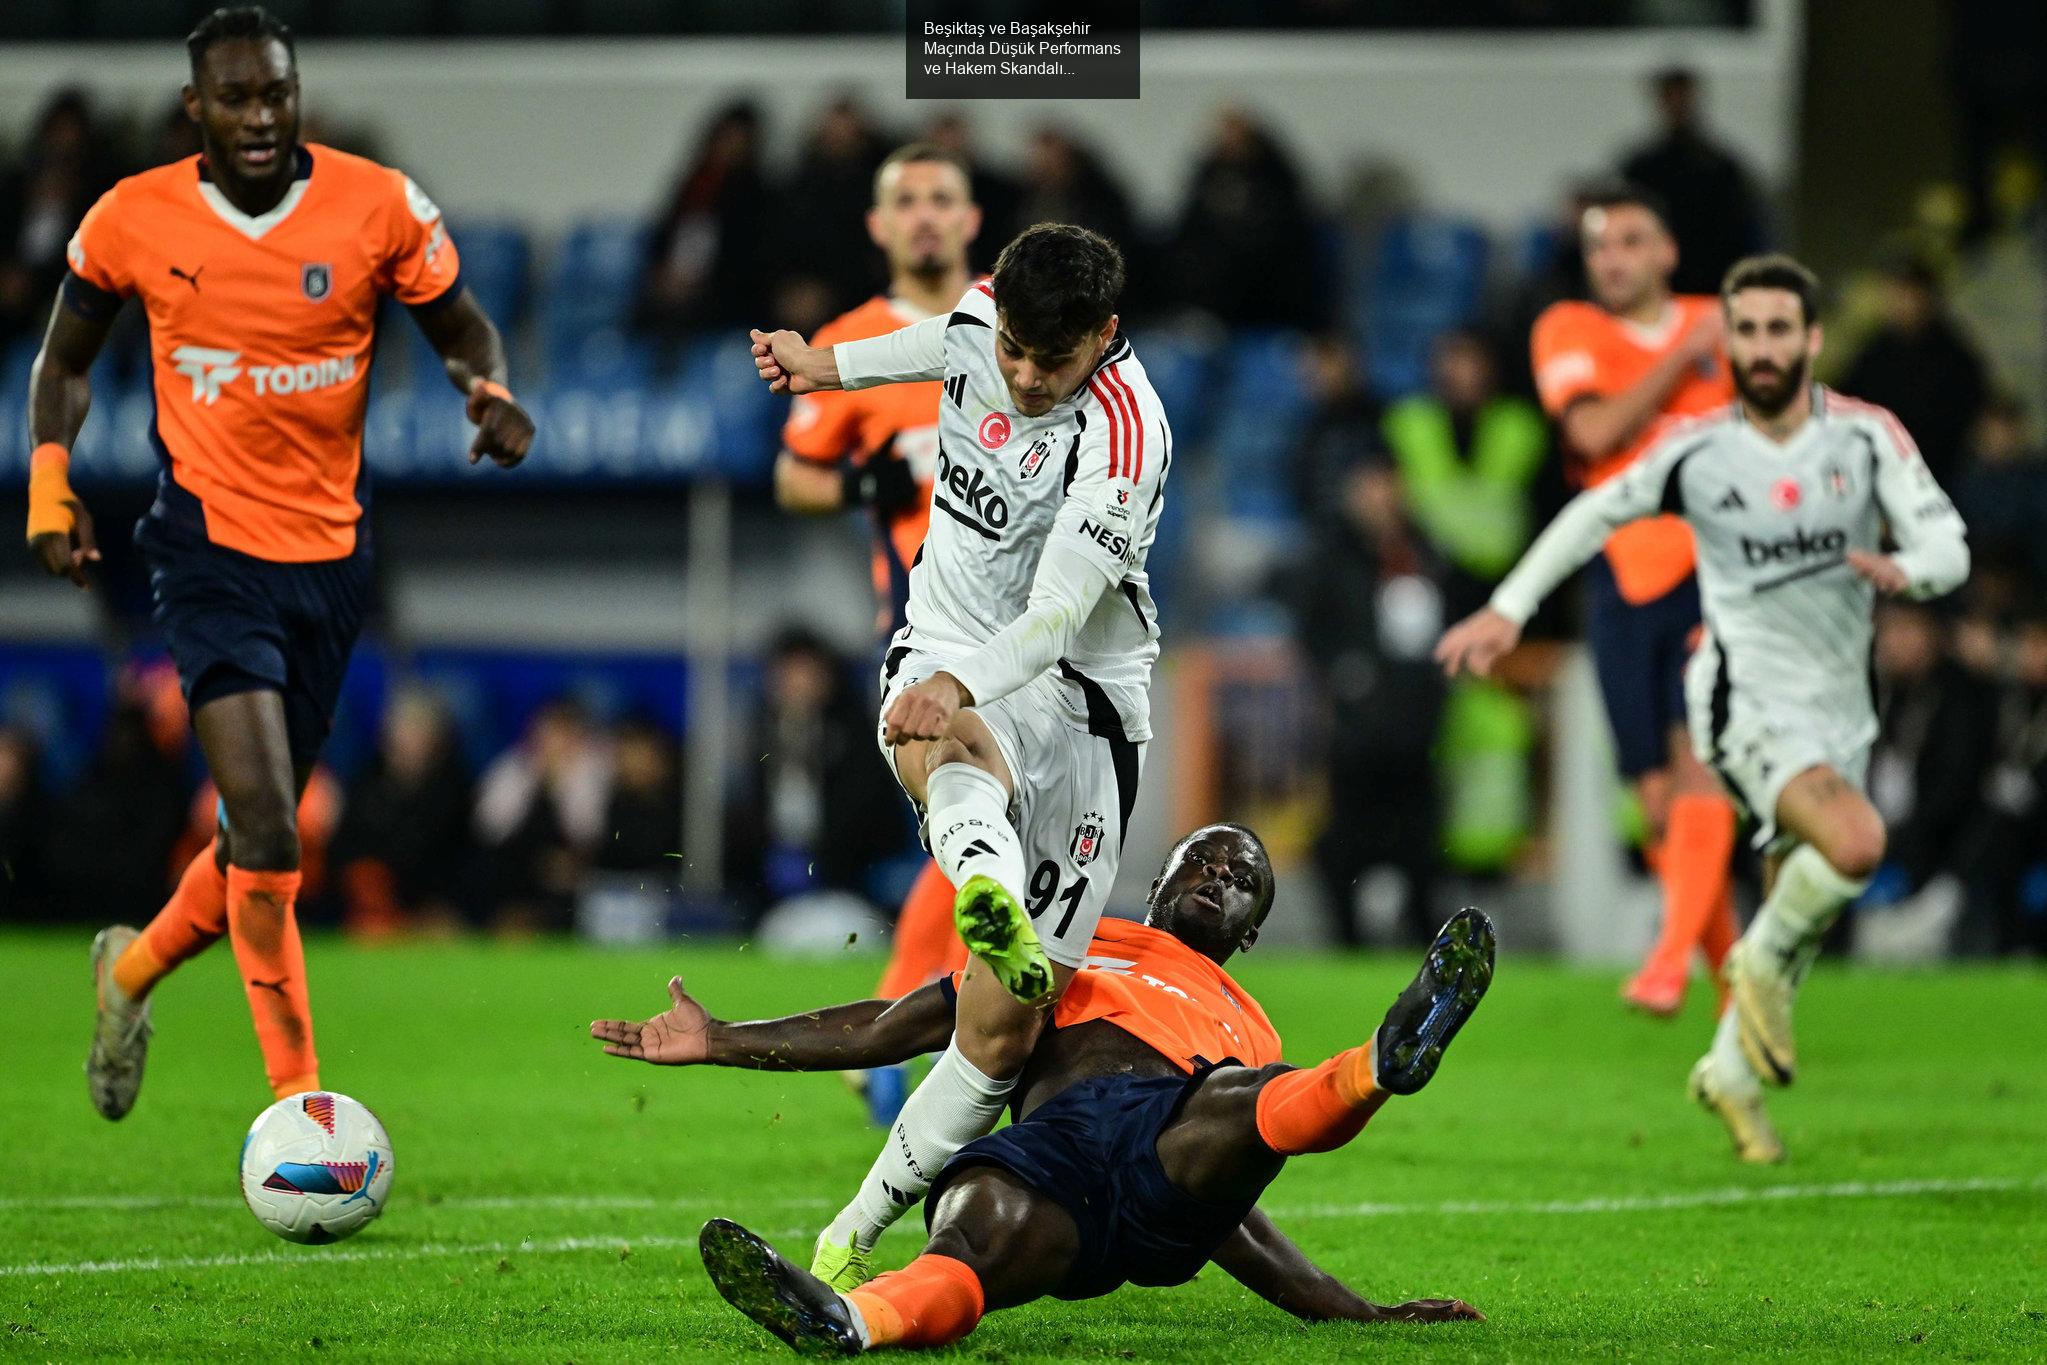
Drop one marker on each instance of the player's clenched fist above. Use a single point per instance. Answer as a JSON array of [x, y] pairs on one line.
[[1476, 643], [1881, 570], [924, 711], [504, 432], [790, 366]]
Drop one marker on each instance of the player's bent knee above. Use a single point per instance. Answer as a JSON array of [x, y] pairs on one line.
[[261, 840], [998, 1048], [955, 750], [1857, 851], [1019, 1243]]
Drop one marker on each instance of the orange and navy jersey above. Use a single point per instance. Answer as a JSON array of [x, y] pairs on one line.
[[260, 331], [1163, 993], [829, 427], [1579, 350]]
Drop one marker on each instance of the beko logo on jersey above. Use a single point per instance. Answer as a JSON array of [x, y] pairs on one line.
[[980, 506], [211, 370], [1800, 544]]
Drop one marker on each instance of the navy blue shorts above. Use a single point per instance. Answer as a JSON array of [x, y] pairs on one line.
[[235, 623], [1640, 653], [1093, 1150]]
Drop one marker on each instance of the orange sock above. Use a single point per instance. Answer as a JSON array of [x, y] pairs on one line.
[[1321, 1109], [1718, 940], [190, 922], [932, 1301], [265, 930], [926, 945], [1692, 865]]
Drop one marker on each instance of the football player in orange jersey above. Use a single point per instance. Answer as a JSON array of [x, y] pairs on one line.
[[260, 263], [1153, 1117], [1612, 374], [878, 449]]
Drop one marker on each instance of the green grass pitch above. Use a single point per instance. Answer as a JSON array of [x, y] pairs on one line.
[[547, 1197]]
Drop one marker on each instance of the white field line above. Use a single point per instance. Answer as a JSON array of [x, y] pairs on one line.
[[1696, 1199], [514, 1201], [1761, 1194]]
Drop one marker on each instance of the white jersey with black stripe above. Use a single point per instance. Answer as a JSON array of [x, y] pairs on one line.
[[1788, 621], [1091, 472]]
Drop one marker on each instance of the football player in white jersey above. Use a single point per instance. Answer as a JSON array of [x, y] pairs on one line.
[[1789, 491], [1014, 710]]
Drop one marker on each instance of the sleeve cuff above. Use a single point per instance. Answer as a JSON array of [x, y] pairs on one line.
[[88, 300], [443, 299], [1510, 606]]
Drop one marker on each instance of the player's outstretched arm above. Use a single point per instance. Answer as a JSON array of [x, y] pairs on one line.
[[906, 355], [867, 1033], [791, 365], [59, 395], [468, 344], [1265, 1261], [1477, 642]]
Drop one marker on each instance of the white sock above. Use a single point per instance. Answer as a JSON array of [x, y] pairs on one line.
[[860, 1327], [954, 1105], [1730, 1063], [966, 813], [1808, 897]]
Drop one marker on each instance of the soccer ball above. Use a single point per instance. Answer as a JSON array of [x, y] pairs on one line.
[[316, 1167]]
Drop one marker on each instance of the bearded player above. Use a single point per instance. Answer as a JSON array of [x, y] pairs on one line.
[[1610, 373], [1016, 701], [1153, 1117], [878, 449], [259, 263], [1790, 493]]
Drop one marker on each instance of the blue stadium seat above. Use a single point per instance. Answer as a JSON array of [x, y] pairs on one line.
[[1263, 409], [1420, 276], [496, 263], [589, 294], [718, 373], [1535, 248], [1182, 371]]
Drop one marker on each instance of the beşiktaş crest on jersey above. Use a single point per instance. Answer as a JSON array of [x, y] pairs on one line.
[[1034, 459], [1087, 839], [316, 278]]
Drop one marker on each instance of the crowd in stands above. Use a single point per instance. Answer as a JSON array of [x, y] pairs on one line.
[[419, 836], [1352, 387]]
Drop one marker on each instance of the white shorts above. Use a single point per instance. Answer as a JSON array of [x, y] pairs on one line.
[[1071, 803], [1756, 749]]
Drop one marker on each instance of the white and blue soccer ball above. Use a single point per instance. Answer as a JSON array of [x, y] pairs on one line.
[[316, 1167]]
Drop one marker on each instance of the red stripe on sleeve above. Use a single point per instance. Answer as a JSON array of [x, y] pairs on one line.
[[1095, 387], [1121, 384]]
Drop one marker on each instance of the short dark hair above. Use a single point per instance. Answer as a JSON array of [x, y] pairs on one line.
[[1614, 194], [232, 22], [912, 153], [1774, 271], [1057, 283]]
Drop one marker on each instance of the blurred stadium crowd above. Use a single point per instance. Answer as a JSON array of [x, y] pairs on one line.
[[1349, 374]]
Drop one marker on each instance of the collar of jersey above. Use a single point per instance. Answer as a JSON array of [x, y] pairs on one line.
[[254, 226], [1117, 349]]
